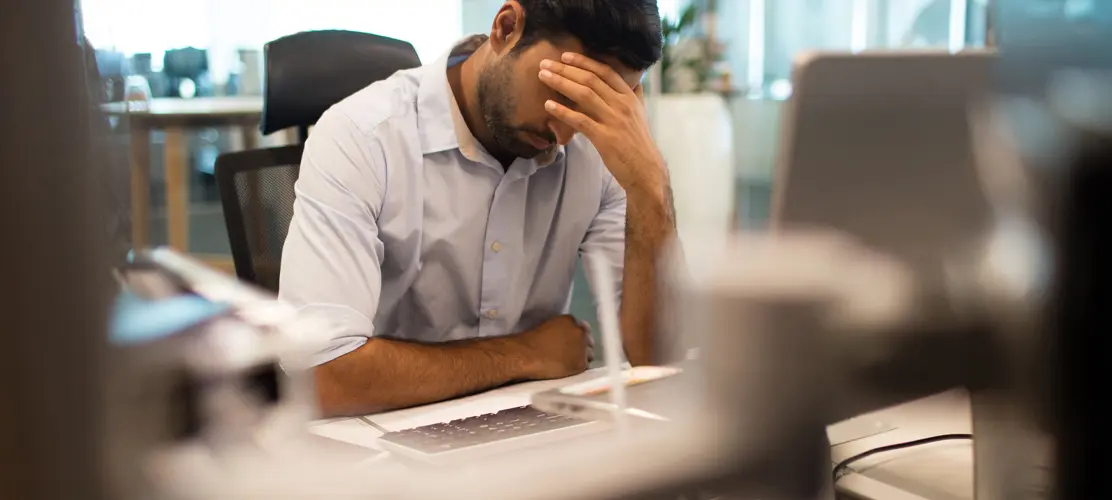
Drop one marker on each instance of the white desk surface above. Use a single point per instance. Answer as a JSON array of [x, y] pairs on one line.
[[939, 471]]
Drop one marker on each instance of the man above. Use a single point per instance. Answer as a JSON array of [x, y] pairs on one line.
[[440, 213]]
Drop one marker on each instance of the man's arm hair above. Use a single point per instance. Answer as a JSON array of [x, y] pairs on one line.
[[650, 224], [386, 374]]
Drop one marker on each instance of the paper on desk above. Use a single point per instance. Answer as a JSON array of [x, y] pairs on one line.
[[348, 430], [451, 410]]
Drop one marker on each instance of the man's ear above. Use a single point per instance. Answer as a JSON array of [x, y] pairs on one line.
[[508, 26]]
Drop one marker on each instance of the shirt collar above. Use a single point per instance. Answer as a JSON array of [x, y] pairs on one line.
[[440, 120]]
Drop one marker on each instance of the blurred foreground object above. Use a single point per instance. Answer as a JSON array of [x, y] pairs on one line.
[[206, 372], [54, 262]]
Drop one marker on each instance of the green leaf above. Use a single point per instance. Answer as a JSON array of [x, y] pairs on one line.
[[688, 17]]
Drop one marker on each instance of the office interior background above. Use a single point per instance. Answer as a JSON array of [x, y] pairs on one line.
[[715, 108]]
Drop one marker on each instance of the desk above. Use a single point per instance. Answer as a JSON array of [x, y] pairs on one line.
[[937, 471], [941, 471], [174, 116]]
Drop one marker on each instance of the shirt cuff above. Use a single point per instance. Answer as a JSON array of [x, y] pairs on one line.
[[338, 347], [350, 330]]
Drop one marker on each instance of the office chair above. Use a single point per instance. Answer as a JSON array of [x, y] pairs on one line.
[[256, 191], [188, 64], [306, 74]]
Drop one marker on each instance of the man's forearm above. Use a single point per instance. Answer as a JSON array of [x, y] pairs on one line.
[[650, 224], [388, 374]]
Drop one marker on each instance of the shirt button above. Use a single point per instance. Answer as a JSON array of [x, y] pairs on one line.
[[496, 246], [491, 314]]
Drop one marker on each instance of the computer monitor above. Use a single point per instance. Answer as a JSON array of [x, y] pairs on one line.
[[877, 145]]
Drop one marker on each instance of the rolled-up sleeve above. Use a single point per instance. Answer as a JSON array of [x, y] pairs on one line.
[[331, 261], [606, 235]]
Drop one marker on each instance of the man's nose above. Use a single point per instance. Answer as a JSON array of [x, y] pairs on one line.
[[562, 131]]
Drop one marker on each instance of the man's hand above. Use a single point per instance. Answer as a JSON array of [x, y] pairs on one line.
[[611, 115], [561, 347]]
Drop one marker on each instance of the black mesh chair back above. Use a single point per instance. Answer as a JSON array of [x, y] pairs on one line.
[[306, 74], [256, 190]]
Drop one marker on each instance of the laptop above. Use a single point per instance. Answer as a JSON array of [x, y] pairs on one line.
[[462, 441], [554, 417]]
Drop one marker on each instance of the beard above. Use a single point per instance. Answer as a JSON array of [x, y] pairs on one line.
[[498, 101]]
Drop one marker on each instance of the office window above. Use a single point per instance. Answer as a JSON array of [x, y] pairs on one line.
[[765, 36], [671, 9], [430, 25], [133, 26]]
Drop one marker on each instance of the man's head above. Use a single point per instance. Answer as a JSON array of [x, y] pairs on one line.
[[625, 34]]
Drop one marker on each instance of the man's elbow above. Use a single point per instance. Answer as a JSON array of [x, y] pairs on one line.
[[639, 350], [330, 397], [640, 357], [336, 396]]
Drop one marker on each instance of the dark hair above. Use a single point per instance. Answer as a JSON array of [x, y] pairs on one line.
[[627, 30]]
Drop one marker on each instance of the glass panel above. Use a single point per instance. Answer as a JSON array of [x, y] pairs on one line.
[[763, 38], [142, 42], [791, 27]]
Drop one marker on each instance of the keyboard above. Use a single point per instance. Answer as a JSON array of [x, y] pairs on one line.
[[507, 430]]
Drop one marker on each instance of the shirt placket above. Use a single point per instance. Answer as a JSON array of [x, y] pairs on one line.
[[502, 254]]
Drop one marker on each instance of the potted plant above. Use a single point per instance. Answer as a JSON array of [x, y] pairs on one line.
[[693, 123], [691, 55]]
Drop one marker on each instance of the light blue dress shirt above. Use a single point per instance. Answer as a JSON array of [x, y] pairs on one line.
[[405, 227]]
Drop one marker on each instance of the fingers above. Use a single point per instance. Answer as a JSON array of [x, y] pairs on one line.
[[586, 97], [589, 339], [578, 121], [586, 330], [639, 91], [582, 77], [604, 72]]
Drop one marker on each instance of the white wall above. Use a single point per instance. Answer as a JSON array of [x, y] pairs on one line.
[[478, 15]]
